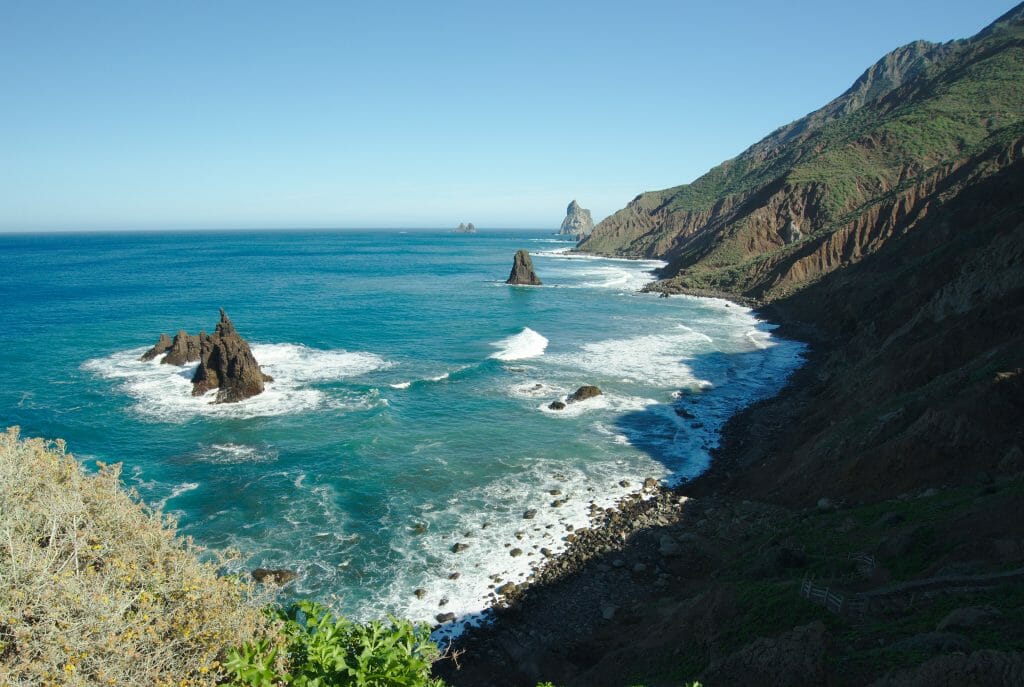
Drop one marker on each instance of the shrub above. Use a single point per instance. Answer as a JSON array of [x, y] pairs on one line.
[[324, 650], [96, 589]]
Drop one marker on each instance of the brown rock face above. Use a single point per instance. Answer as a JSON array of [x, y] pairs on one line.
[[184, 348], [227, 364], [522, 270], [161, 346], [584, 392]]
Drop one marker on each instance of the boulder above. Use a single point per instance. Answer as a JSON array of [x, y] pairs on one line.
[[161, 347], [226, 363], [522, 270], [444, 617], [184, 349], [577, 222], [274, 575], [584, 392], [556, 405]]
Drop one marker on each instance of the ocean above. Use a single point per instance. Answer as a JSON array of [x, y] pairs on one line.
[[409, 408]]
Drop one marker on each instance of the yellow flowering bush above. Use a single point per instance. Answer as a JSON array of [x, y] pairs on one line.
[[97, 589]]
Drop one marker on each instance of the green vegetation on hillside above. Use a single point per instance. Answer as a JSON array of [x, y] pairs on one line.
[[912, 119]]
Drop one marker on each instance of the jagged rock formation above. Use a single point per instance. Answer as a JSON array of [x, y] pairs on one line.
[[464, 228], [184, 348], [227, 364], [577, 221], [225, 361], [159, 348], [522, 270]]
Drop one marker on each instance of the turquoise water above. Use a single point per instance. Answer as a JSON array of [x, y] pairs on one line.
[[409, 407]]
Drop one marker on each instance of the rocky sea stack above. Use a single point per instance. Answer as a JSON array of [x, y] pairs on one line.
[[225, 361], [577, 222], [522, 270]]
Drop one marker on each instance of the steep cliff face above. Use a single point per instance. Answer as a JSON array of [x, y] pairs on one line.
[[850, 176]]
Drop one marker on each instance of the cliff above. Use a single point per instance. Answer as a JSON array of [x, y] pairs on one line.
[[886, 228], [849, 176]]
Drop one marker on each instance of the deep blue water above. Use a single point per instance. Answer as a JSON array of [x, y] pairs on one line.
[[409, 408]]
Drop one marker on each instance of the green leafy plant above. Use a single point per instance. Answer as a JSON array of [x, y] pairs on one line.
[[325, 650]]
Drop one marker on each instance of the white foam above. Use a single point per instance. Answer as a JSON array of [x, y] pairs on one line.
[[656, 359], [228, 454], [401, 385], [164, 392], [605, 401], [177, 491], [428, 558], [525, 344]]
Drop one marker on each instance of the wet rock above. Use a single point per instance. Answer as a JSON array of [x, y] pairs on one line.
[[186, 348], [555, 492], [444, 617], [459, 547], [226, 363], [159, 348], [522, 270], [557, 503], [530, 514], [584, 392], [624, 483], [515, 553], [455, 576], [608, 611], [556, 405], [650, 483], [273, 575], [420, 593], [443, 602]]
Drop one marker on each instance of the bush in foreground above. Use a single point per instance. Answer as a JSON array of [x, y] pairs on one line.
[[96, 589]]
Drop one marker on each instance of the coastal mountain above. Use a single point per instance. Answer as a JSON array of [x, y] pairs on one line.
[[885, 228], [862, 527], [577, 221], [823, 192]]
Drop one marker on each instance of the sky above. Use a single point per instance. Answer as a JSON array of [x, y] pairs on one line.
[[188, 115]]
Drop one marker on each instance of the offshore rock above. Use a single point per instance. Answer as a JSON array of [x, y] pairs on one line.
[[184, 349], [226, 363], [577, 221], [584, 392], [522, 270], [161, 346]]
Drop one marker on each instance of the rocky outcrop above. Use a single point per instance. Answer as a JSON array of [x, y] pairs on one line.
[[464, 228], [226, 363], [159, 348], [584, 392], [184, 348], [522, 270], [577, 222]]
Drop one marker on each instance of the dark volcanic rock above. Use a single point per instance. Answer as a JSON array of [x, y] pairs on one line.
[[227, 364], [161, 346], [584, 392], [275, 575], [556, 405], [184, 349], [522, 270]]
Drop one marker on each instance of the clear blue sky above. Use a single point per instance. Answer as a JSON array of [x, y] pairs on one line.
[[145, 115]]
